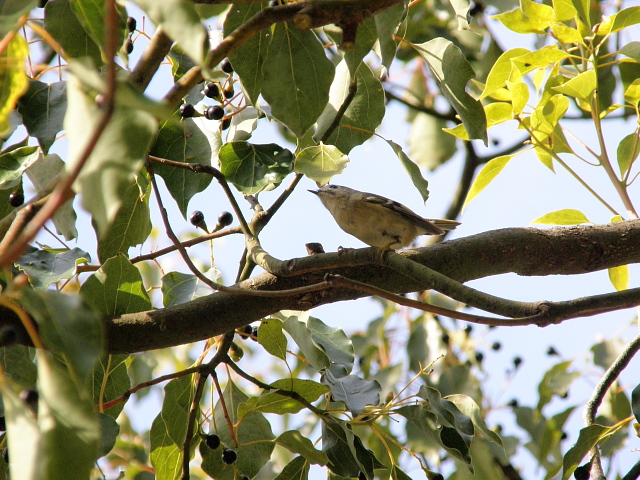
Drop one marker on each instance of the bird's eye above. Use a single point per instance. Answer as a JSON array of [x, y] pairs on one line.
[[332, 186]]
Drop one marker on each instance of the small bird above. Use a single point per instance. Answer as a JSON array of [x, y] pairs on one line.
[[376, 220]]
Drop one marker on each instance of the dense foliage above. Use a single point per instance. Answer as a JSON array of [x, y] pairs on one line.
[[270, 390]]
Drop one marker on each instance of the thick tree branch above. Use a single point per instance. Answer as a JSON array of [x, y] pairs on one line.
[[525, 251]]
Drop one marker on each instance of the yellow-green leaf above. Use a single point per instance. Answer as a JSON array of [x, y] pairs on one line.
[[320, 163], [567, 216], [519, 96], [501, 71], [632, 93], [12, 78], [619, 277], [544, 57], [628, 150], [566, 34], [624, 18], [581, 87], [532, 17], [564, 10], [486, 176]]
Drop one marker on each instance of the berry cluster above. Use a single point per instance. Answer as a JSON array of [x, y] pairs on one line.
[[131, 27]]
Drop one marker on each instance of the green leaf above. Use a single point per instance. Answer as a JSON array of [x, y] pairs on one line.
[[632, 93], [531, 17], [501, 71], [110, 378], [131, 225], [293, 441], [619, 277], [190, 142], [320, 162], [544, 57], [180, 288], [297, 77], [365, 39], [270, 336], [486, 176], [364, 113], [564, 10], [566, 216], [296, 326], [41, 174], [181, 22], [338, 444], [334, 341], [632, 50], [42, 109], [452, 72], [567, 34], [588, 438], [115, 160], [23, 434], [61, 22], [606, 352], [169, 428], [13, 163], [247, 60], [581, 87], [252, 168], [45, 267], [116, 288], [462, 7], [429, 145], [11, 11], [556, 381], [412, 169], [355, 392], [519, 96], [635, 402], [69, 328], [109, 431], [387, 23], [273, 401], [296, 469], [620, 20], [17, 364], [69, 425], [468, 407], [91, 14], [448, 414]]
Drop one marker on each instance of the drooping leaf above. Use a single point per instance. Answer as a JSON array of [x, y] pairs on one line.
[[627, 152], [387, 23], [252, 168], [45, 267], [12, 78], [556, 381], [296, 469], [297, 77], [14, 162], [355, 392], [452, 72], [110, 378], [606, 352], [530, 17], [270, 336], [109, 431], [181, 22], [275, 401], [581, 87], [412, 169], [365, 111], [334, 341], [320, 163], [43, 108], [619, 277], [338, 445], [486, 176], [301, 334], [293, 441]]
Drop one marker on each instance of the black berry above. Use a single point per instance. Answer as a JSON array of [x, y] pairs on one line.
[[211, 90], [361, 476], [551, 351], [196, 218], [212, 441], [468, 329], [517, 361], [226, 123], [128, 46], [513, 403], [563, 436], [228, 92], [226, 66], [245, 477], [496, 346], [30, 397], [131, 24], [16, 199], [479, 357], [42, 3], [478, 7], [225, 219], [187, 110], [246, 331], [229, 456], [214, 113], [445, 338], [582, 473]]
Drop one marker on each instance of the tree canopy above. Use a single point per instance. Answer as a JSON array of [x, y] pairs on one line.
[[115, 115]]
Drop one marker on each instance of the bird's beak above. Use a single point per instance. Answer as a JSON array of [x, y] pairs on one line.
[[313, 191]]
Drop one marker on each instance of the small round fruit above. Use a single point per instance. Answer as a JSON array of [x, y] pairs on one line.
[[226, 66], [225, 219], [128, 46], [246, 331], [468, 329], [131, 24], [228, 92], [214, 113], [229, 456], [551, 351], [212, 441], [196, 218], [513, 403], [582, 473], [361, 475], [16, 199], [274, 3], [496, 346], [187, 110], [211, 90], [226, 123], [517, 361], [479, 357]]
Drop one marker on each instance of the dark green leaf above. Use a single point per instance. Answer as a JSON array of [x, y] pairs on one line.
[[412, 169], [334, 341], [13, 163], [109, 431], [387, 23], [355, 392], [274, 401], [180, 288], [301, 334], [337, 443], [117, 381], [556, 381], [42, 109], [297, 77], [10, 13], [270, 336], [44, 267], [296, 469], [605, 353], [293, 441], [251, 168]]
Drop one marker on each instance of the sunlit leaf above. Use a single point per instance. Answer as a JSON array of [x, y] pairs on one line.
[[486, 176], [321, 163], [566, 216]]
